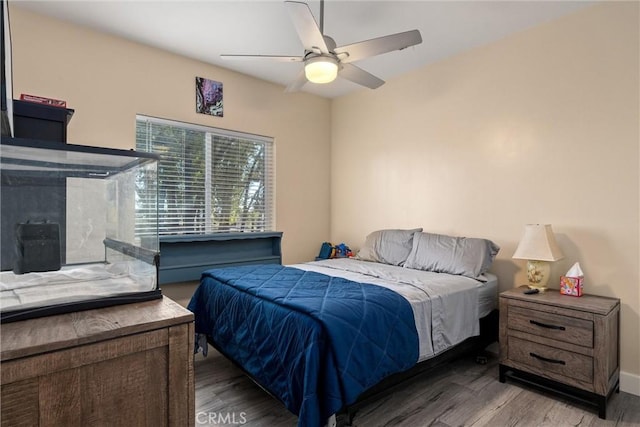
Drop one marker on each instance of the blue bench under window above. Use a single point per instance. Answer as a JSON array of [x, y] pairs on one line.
[[184, 258]]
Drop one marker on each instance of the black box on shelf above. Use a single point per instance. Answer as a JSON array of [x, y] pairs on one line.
[[40, 121]]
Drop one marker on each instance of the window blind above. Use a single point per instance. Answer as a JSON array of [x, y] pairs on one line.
[[209, 180]]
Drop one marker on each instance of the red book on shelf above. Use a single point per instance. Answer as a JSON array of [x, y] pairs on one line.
[[42, 100]]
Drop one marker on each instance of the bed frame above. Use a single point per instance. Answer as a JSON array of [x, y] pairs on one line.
[[471, 346]]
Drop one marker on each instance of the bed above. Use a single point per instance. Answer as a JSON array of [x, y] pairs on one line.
[[321, 335]]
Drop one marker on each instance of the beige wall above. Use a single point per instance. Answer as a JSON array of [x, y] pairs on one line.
[[108, 80], [541, 127]]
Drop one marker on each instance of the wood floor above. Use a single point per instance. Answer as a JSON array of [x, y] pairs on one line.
[[462, 393]]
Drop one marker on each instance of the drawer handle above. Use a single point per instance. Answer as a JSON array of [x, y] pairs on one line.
[[544, 325], [544, 359]]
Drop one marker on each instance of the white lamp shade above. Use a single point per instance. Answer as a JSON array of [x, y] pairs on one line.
[[538, 243], [321, 69]]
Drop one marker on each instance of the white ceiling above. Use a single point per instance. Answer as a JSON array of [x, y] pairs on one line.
[[205, 29]]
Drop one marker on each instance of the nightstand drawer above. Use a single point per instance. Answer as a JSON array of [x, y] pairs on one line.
[[557, 327], [542, 358]]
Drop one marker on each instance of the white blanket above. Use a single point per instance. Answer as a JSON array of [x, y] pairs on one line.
[[445, 306]]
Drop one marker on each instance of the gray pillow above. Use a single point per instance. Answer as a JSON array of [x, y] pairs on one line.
[[464, 256], [388, 246]]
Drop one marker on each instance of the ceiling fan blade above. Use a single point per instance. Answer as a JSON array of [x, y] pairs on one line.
[[306, 26], [377, 46], [360, 76], [297, 84], [277, 58]]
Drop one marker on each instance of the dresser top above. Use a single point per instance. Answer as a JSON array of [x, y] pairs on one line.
[[588, 303], [44, 334]]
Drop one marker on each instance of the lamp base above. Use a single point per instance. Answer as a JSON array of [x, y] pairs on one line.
[[538, 274]]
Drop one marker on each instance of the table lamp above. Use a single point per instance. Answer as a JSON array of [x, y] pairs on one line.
[[538, 246]]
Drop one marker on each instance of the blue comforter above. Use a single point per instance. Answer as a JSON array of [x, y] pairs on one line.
[[314, 341]]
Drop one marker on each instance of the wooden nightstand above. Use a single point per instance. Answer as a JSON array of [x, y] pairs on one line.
[[568, 345]]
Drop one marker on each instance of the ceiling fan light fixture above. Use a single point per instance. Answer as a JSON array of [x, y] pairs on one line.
[[321, 69]]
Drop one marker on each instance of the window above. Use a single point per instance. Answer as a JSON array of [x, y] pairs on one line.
[[209, 180]]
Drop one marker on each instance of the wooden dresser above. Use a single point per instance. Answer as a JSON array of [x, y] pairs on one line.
[[128, 365], [569, 345]]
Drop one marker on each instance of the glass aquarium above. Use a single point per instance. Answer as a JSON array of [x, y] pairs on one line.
[[79, 228]]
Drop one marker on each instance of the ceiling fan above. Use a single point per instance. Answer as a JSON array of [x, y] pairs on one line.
[[323, 60]]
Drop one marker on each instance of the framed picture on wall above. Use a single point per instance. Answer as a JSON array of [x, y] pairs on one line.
[[209, 97]]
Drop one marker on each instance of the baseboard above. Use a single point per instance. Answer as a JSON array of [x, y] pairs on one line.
[[630, 383]]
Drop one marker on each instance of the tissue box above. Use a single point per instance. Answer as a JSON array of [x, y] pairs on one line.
[[571, 285]]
